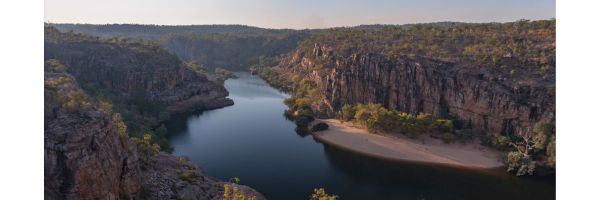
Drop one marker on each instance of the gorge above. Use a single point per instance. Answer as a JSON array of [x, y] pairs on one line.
[[138, 106]]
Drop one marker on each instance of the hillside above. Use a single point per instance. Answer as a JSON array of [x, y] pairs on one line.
[[234, 47], [140, 81]]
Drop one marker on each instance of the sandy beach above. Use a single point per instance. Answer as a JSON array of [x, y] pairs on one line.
[[426, 150]]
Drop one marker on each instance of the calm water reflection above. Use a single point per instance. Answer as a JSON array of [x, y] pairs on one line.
[[253, 141]]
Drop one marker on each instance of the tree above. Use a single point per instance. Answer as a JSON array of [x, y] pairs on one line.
[[348, 112], [321, 126], [320, 194], [146, 150], [520, 163], [121, 126], [76, 101]]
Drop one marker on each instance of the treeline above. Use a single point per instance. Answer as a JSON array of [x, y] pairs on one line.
[[264, 69], [377, 118], [233, 47], [233, 51], [510, 47]]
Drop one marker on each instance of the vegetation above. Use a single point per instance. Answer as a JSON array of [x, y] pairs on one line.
[[194, 66], [521, 46], [232, 192], [321, 126], [189, 177], [146, 150], [264, 69], [533, 151], [320, 194], [377, 118], [223, 74]]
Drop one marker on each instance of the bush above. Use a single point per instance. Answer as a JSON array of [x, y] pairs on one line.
[[520, 163], [146, 150], [321, 126], [320, 194], [500, 141], [448, 138], [189, 177], [348, 112], [304, 120]]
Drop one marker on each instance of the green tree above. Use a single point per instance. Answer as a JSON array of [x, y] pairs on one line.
[[348, 112], [121, 126], [146, 150], [320, 194]]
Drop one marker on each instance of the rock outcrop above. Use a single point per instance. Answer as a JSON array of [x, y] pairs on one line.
[[476, 97], [125, 66], [84, 157], [173, 177]]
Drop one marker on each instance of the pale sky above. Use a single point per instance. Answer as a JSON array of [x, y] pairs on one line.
[[297, 14]]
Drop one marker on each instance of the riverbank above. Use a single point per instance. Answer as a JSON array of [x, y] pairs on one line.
[[426, 150]]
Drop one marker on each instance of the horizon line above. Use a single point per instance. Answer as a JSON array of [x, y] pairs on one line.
[[331, 27]]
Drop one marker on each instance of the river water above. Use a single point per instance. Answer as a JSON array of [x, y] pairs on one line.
[[252, 140]]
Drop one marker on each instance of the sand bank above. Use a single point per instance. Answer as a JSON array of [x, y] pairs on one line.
[[426, 150]]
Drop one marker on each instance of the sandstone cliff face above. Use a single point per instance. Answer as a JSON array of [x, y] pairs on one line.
[[475, 96], [125, 66], [84, 158]]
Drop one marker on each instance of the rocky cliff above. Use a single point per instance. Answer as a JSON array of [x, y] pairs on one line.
[[476, 97], [85, 157], [123, 66]]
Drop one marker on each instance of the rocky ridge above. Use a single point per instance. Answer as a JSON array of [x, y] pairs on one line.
[[124, 66], [476, 97]]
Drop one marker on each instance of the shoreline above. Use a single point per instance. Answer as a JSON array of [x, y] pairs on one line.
[[401, 148]]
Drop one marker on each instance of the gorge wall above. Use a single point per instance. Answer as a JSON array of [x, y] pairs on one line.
[[475, 97], [123, 67]]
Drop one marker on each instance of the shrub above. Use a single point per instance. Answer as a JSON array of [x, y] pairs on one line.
[[500, 141], [189, 177], [121, 126], [520, 163], [348, 112], [320, 194], [146, 150], [321, 126], [448, 138], [304, 120]]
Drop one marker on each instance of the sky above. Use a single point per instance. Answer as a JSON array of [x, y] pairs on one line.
[[296, 14]]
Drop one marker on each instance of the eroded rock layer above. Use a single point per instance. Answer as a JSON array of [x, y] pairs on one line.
[[476, 97]]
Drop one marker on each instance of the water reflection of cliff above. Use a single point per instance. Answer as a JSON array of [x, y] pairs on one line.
[[424, 181]]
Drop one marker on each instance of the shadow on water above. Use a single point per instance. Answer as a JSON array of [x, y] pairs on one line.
[[425, 181]]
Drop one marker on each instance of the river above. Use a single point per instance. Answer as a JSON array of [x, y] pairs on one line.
[[252, 140]]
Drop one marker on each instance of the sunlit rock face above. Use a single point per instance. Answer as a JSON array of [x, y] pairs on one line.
[[475, 96]]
